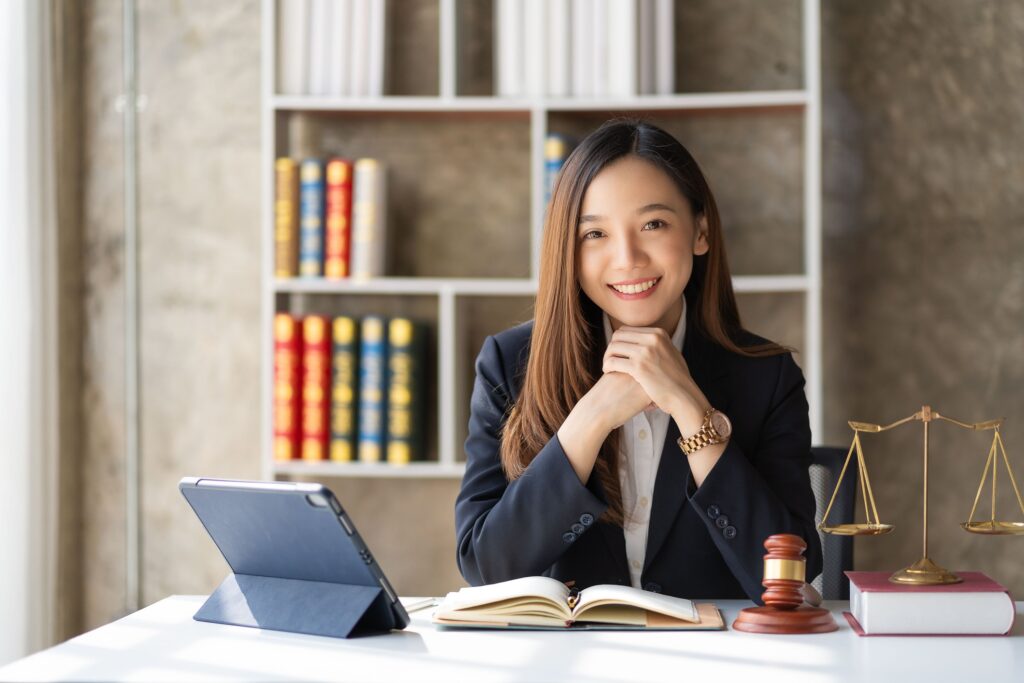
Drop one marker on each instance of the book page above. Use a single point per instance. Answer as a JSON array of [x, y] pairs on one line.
[[537, 593], [609, 594]]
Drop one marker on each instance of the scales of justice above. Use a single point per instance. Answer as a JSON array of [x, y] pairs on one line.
[[784, 612], [925, 572]]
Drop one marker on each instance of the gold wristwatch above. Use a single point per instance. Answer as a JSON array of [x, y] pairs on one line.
[[716, 429]]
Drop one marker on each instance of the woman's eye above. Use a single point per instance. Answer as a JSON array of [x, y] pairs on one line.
[[591, 234], [654, 225]]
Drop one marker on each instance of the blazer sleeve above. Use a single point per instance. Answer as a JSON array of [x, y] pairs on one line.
[[765, 492], [507, 530]]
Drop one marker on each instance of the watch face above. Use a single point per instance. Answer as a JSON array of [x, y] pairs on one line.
[[721, 424]]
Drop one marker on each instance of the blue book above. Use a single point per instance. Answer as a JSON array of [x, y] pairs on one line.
[[373, 357], [556, 149], [311, 218]]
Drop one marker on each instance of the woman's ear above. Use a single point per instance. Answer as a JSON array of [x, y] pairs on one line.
[[700, 243]]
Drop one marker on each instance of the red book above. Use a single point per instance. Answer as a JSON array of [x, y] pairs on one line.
[[339, 219], [287, 387], [316, 387], [975, 606]]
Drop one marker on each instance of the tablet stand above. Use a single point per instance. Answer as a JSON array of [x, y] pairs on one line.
[[311, 607]]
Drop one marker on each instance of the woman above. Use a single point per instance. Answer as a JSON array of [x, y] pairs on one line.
[[634, 432]]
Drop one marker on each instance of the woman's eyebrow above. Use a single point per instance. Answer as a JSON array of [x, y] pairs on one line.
[[647, 208]]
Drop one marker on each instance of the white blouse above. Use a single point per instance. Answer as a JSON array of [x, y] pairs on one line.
[[640, 444]]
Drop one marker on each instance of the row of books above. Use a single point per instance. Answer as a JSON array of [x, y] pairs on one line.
[[584, 48], [348, 389], [331, 47], [330, 218]]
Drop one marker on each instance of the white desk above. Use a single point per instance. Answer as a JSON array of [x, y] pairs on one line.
[[163, 643]]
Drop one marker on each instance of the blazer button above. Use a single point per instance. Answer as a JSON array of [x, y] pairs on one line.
[[577, 528], [586, 519], [652, 587], [729, 532], [568, 537], [721, 521], [713, 511]]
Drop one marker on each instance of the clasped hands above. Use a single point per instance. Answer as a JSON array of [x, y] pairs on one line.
[[643, 368]]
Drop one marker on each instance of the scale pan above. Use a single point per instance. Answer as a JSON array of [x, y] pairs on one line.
[[858, 529], [994, 528]]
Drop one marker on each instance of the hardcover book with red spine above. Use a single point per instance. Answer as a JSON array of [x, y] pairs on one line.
[[976, 606], [287, 386], [316, 386], [339, 219]]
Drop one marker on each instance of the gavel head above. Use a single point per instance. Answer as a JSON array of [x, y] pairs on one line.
[[784, 571]]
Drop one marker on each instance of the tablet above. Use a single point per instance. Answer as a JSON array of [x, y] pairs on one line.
[[288, 530]]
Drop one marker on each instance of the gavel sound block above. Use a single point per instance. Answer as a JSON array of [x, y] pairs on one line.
[[784, 611]]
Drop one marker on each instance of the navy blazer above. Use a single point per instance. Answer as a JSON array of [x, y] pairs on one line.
[[705, 542]]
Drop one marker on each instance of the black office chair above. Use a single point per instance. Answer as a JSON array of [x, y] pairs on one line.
[[826, 464]]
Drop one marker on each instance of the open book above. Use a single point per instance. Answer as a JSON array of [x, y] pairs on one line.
[[542, 602]]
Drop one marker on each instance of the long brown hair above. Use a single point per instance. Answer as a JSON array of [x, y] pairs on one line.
[[567, 342]]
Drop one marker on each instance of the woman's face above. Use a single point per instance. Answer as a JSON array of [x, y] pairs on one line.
[[636, 238]]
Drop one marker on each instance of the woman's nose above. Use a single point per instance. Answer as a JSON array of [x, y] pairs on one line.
[[628, 254]]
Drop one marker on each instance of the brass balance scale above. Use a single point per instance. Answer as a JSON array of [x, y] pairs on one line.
[[924, 571]]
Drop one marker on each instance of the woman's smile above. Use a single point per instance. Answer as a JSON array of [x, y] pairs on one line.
[[635, 289]]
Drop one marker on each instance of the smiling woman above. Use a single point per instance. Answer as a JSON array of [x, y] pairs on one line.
[[634, 432]]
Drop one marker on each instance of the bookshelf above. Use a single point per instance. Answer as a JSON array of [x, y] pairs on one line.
[[463, 298]]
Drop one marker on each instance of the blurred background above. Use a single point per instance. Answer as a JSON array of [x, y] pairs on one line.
[[922, 263]]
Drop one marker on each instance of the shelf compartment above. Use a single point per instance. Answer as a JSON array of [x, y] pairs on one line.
[[458, 189], [421, 308]]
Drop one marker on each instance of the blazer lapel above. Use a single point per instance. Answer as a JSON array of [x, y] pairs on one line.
[[708, 367]]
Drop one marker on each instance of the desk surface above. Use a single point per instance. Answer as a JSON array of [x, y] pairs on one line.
[[163, 643]]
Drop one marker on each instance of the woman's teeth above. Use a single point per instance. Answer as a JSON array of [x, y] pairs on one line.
[[635, 289]]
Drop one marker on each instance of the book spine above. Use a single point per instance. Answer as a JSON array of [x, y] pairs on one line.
[[665, 47], [287, 387], [292, 36], [316, 377], [556, 149], [344, 385], [406, 350], [646, 47], [359, 62], [339, 219], [372, 404], [377, 49], [535, 64], [341, 41], [622, 47], [582, 64], [286, 217], [320, 25], [311, 243], [369, 219], [558, 39]]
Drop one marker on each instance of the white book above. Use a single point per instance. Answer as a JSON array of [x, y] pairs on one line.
[[543, 602], [377, 48], [976, 606], [359, 47], [511, 20], [340, 43], [558, 41], [665, 47], [600, 63], [622, 48], [292, 55], [646, 47], [582, 63], [369, 219], [320, 24], [534, 47]]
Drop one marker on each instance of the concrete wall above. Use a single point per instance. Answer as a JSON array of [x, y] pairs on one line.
[[923, 275]]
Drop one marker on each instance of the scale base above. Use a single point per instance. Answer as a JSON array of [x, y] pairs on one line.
[[924, 572]]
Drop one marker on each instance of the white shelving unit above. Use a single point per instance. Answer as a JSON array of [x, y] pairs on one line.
[[450, 344]]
